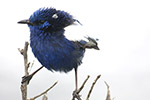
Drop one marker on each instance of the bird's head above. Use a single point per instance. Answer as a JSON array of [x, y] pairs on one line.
[[49, 19]]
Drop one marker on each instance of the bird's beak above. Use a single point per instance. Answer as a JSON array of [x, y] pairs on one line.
[[75, 20], [96, 47], [26, 21]]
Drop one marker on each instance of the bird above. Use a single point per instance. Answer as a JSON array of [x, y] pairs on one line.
[[49, 43]]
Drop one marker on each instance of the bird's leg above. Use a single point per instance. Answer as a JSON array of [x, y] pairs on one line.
[[29, 77], [76, 79], [76, 92]]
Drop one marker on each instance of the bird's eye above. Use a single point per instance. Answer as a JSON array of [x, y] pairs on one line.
[[55, 16]]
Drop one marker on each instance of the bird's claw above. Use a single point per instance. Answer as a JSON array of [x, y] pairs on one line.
[[76, 95], [26, 79]]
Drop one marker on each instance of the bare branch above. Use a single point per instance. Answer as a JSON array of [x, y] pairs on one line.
[[44, 92], [93, 84], [25, 56], [108, 92]]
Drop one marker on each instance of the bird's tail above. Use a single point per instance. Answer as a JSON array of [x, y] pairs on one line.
[[90, 44]]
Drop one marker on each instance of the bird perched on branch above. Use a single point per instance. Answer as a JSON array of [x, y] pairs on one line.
[[49, 44]]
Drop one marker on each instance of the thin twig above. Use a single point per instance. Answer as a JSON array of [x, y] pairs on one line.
[[44, 92], [108, 92], [31, 65], [83, 84], [93, 84]]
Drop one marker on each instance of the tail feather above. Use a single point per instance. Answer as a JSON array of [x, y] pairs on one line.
[[90, 44]]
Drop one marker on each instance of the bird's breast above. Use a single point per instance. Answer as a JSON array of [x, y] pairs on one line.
[[56, 53]]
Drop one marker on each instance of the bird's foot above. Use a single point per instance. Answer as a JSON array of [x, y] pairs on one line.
[[76, 95], [26, 79]]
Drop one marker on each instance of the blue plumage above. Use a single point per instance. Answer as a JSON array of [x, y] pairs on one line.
[[55, 52], [49, 44]]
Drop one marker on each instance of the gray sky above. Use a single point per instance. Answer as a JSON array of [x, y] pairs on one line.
[[123, 29]]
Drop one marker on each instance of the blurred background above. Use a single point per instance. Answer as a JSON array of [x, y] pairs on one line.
[[123, 30]]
